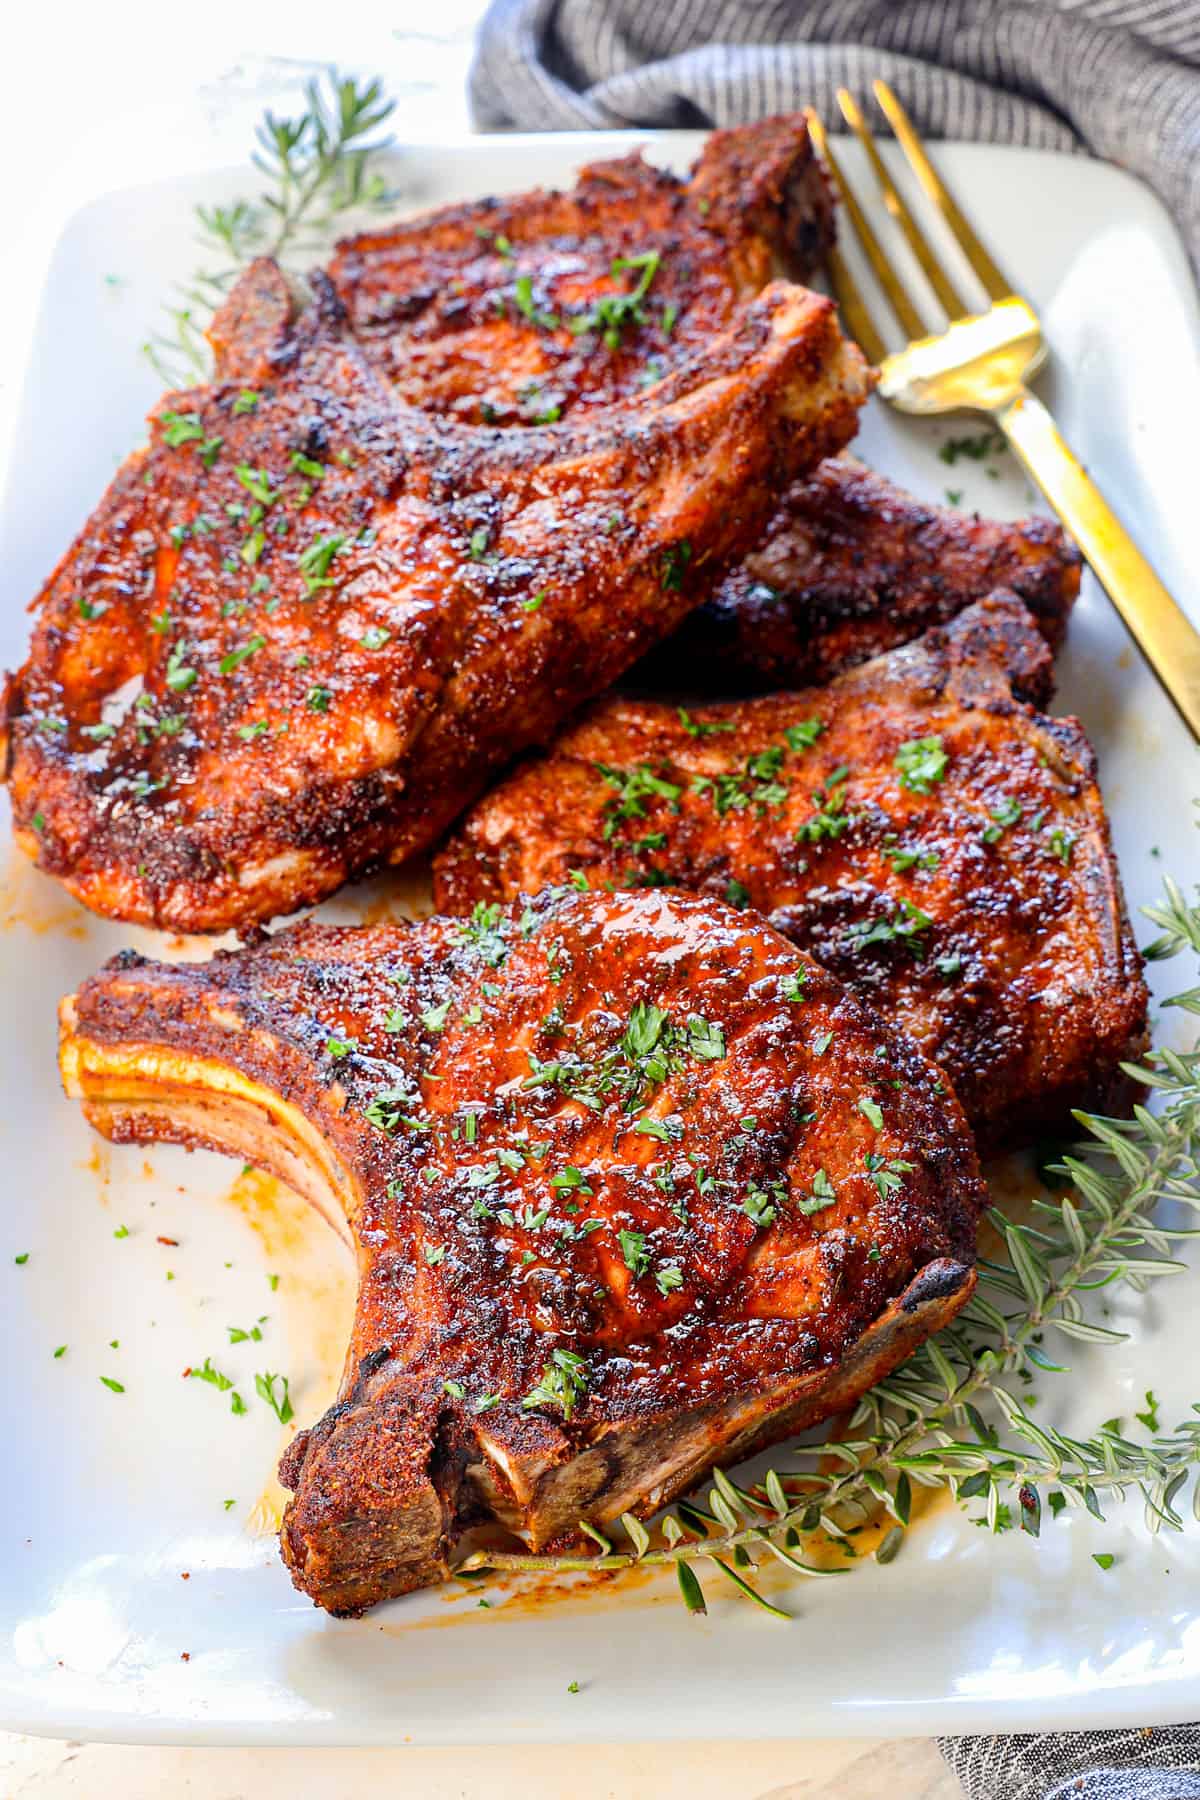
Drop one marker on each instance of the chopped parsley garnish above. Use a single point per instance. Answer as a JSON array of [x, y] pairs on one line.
[[634, 1253], [887, 1173], [390, 1108], [609, 314], [705, 1041], [763, 1201], [563, 1383], [533, 603], [523, 295], [831, 819], [757, 784], [821, 1195], [318, 698], [667, 1131], [922, 763], [434, 1254], [246, 402], [803, 735], [181, 428], [117, 1387], [434, 1017], [903, 927], [674, 566], [482, 931], [314, 562], [792, 986], [258, 483], [870, 1111], [633, 788], [22, 1259], [1009, 812], [374, 637], [179, 676], [667, 1280], [214, 1377], [570, 1179], [233, 659], [1061, 845], [736, 894], [280, 1404], [702, 728], [975, 449]]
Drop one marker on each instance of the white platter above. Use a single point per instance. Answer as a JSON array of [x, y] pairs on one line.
[[111, 1498]]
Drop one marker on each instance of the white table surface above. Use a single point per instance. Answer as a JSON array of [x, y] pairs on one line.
[[97, 98]]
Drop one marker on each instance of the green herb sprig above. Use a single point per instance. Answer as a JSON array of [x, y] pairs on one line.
[[317, 168]]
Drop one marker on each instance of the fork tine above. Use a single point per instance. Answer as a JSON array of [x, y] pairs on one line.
[[910, 319], [997, 287], [852, 307], [955, 307]]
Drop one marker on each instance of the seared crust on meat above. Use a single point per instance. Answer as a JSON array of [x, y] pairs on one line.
[[306, 623], [635, 1188], [967, 890], [440, 304], [850, 566]]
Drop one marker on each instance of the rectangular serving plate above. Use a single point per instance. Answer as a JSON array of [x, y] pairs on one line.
[[135, 1604]]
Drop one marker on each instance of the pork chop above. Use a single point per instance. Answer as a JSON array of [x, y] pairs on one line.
[[307, 623], [931, 838], [635, 1188], [520, 309], [848, 566]]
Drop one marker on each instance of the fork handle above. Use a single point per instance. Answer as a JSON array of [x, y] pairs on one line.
[[1167, 638]]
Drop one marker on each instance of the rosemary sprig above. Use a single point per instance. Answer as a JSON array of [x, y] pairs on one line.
[[926, 1423], [317, 168]]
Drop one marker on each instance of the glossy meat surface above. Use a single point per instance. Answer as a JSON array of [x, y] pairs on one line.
[[306, 624], [634, 1188], [443, 304], [850, 565], [932, 840]]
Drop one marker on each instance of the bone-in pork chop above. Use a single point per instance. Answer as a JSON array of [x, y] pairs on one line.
[[929, 837], [307, 623], [518, 310], [526, 308], [635, 1188]]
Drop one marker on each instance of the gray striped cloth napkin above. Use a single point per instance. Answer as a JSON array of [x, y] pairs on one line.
[[1119, 78]]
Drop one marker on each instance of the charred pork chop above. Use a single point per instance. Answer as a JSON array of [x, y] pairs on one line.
[[920, 830], [849, 566], [635, 1188], [307, 623], [520, 309]]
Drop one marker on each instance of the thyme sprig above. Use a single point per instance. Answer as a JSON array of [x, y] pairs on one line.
[[317, 168], [951, 1416]]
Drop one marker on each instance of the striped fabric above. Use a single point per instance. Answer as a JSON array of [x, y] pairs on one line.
[[1120, 78]]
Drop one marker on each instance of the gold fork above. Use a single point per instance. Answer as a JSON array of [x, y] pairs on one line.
[[981, 363]]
